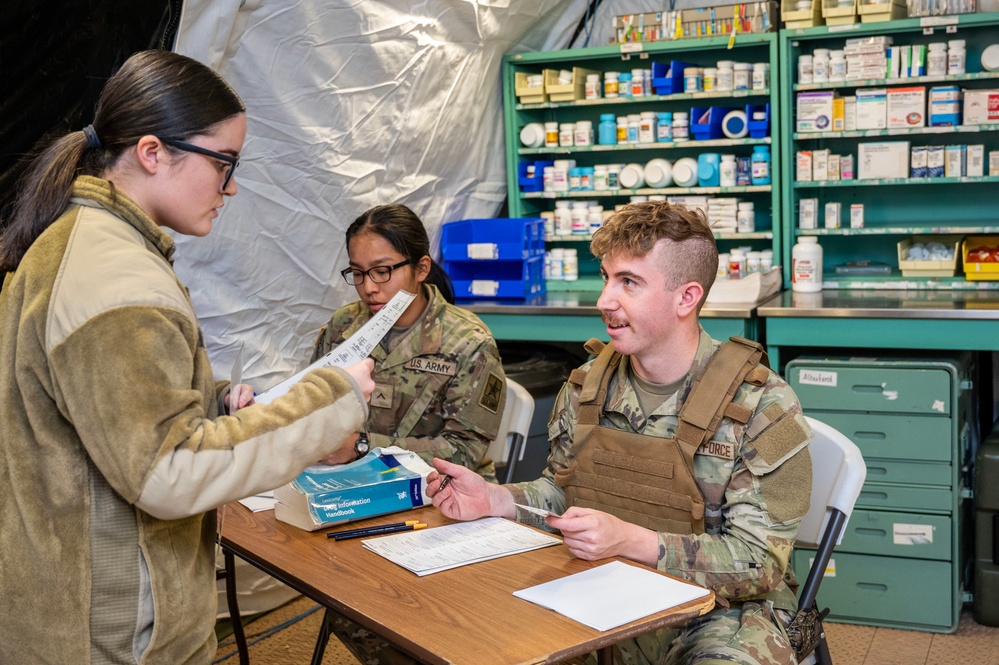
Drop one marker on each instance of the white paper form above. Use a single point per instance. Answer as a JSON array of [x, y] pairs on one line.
[[445, 547], [259, 502], [354, 349], [611, 595]]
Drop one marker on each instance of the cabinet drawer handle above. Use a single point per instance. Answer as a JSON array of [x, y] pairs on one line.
[[877, 436], [869, 389], [877, 533], [867, 586], [883, 496], [877, 471]]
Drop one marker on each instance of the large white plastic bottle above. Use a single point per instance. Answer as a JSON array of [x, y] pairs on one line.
[[806, 265]]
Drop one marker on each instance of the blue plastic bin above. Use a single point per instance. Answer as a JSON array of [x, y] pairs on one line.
[[500, 239], [497, 279], [668, 79], [712, 129], [535, 183], [758, 129]]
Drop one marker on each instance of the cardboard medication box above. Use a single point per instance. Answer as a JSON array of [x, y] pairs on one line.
[[945, 106], [975, 165], [917, 167], [906, 107], [981, 107], [934, 161], [820, 165], [872, 108], [955, 157], [883, 160], [803, 170], [808, 214], [814, 111]]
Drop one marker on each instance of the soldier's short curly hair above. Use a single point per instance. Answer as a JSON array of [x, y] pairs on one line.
[[691, 251]]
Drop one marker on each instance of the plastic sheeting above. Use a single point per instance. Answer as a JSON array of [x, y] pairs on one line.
[[349, 105]]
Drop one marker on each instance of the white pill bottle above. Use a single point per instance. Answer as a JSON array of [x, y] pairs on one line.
[[806, 265]]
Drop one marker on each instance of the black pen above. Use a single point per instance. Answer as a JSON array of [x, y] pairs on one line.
[[377, 531], [333, 534], [444, 482]]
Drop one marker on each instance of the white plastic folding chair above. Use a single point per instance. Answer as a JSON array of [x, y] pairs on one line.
[[515, 425], [838, 474]]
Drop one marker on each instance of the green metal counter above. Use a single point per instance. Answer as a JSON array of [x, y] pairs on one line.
[[573, 317], [897, 319]]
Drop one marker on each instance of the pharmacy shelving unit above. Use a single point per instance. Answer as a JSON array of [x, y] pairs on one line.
[[894, 209], [702, 52]]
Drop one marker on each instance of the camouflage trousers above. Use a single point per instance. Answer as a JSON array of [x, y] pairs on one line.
[[750, 634]]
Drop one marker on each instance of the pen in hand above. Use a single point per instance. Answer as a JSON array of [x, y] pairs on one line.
[[444, 482]]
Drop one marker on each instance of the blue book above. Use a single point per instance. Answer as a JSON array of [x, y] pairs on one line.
[[386, 480]]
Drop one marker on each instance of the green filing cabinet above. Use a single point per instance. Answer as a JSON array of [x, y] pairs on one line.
[[902, 562]]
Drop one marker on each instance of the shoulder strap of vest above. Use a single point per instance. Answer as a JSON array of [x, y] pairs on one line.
[[595, 382], [710, 398]]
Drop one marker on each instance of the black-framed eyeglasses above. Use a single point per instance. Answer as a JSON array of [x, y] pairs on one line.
[[233, 162], [378, 274]]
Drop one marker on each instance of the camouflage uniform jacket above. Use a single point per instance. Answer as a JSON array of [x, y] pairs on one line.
[[441, 390], [760, 473]]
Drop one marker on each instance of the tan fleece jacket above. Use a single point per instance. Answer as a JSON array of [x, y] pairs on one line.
[[112, 451]]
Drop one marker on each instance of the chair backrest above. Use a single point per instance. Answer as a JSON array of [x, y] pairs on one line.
[[838, 473], [515, 425]]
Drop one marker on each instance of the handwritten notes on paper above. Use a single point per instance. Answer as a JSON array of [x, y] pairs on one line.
[[445, 547], [353, 350], [612, 595]]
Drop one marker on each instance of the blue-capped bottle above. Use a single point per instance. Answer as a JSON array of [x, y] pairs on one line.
[[664, 129], [607, 129], [761, 165], [625, 84]]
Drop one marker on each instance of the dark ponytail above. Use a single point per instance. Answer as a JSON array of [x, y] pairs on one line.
[[405, 232], [156, 93]]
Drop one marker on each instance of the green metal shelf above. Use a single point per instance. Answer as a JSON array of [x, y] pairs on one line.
[[645, 191], [896, 181], [703, 51], [644, 99], [581, 284], [897, 282], [915, 80], [618, 147], [915, 131], [893, 207], [755, 235], [972, 227]]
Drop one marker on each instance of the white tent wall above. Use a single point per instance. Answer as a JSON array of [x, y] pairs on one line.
[[349, 105]]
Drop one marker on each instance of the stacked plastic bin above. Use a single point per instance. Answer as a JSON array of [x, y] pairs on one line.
[[495, 258]]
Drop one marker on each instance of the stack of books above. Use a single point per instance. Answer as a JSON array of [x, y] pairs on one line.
[[386, 480]]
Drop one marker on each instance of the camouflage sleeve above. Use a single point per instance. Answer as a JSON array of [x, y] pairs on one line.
[[543, 492], [473, 406], [324, 342], [766, 498]]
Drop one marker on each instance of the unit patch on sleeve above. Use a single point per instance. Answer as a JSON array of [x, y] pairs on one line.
[[491, 393], [435, 366]]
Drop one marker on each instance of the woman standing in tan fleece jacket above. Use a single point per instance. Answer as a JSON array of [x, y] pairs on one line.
[[114, 447]]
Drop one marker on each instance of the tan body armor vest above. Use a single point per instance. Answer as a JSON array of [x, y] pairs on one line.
[[649, 480]]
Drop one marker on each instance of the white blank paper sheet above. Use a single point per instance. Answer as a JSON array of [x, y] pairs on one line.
[[611, 595]]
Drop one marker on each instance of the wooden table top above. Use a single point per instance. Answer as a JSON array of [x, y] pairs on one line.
[[463, 615]]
